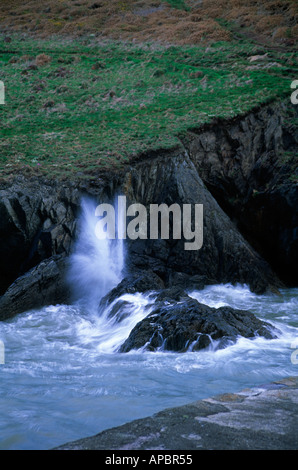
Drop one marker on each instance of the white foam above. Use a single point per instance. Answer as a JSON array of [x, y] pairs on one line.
[[96, 265]]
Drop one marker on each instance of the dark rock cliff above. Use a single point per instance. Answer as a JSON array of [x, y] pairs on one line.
[[225, 255], [37, 220], [250, 166]]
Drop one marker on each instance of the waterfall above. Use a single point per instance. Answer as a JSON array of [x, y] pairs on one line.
[[96, 265]]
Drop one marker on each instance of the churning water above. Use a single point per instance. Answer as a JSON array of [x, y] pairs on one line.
[[63, 378]]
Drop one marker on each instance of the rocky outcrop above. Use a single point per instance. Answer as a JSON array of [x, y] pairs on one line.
[[260, 418], [225, 255], [143, 281], [250, 167], [37, 221], [42, 285], [183, 324]]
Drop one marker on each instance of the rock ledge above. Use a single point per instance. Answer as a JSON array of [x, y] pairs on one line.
[[261, 418]]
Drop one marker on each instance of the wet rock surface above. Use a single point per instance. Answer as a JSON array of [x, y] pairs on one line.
[[179, 323], [143, 281], [225, 256], [43, 285], [37, 221], [249, 166], [261, 418]]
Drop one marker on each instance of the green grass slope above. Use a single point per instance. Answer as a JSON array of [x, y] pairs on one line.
[[74, 105]]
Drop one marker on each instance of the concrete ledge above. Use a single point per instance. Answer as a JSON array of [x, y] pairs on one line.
[[262, 418]]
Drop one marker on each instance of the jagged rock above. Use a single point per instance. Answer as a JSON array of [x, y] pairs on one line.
[[171, 294], [185, 324], [137, 282], [225, 255], [37, 221], [42, 285], [185, 281], [250, 167]]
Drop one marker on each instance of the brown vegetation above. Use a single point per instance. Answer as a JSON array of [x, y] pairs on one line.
[[151, 20]]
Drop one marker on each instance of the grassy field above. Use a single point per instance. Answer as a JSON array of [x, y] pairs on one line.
[[74, 105]]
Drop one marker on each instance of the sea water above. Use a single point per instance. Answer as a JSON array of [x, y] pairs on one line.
[[62, 377]]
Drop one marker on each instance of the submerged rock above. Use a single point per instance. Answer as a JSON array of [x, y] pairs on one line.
[[184, 324]]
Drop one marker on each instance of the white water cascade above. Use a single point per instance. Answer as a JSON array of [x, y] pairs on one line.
[[96, 265]]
